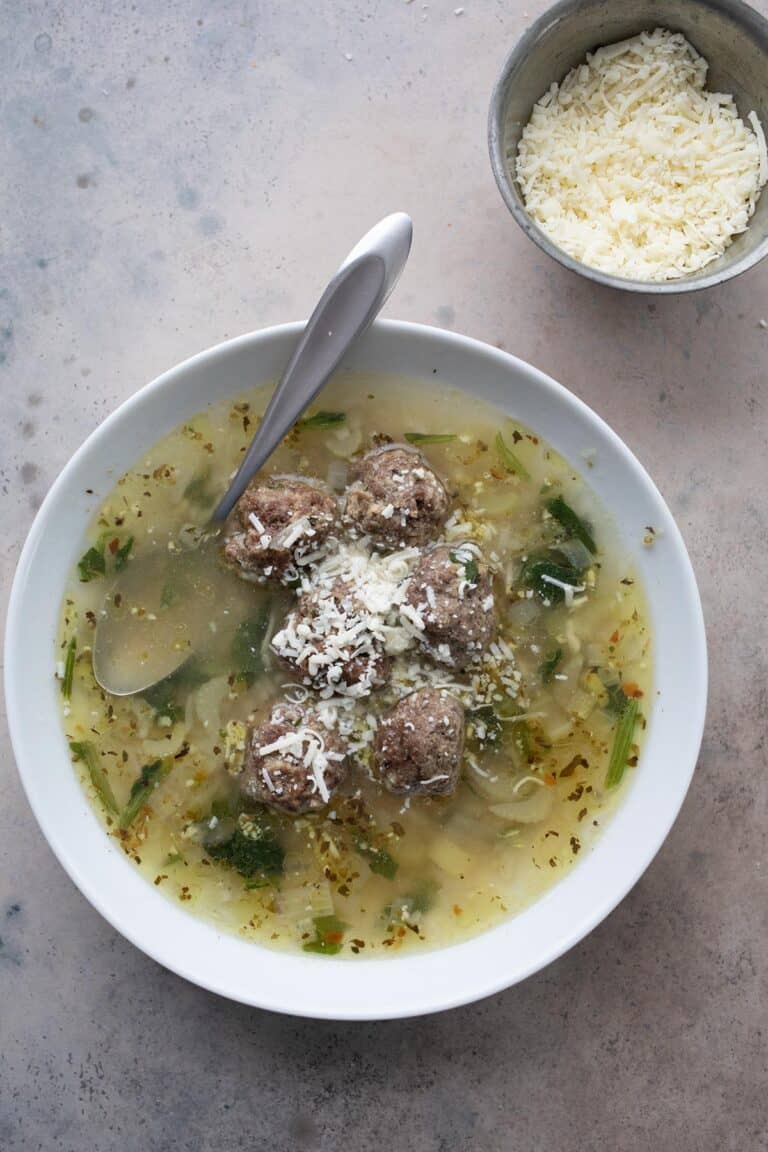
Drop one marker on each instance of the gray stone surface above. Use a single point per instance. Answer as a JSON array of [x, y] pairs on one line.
[[173, 173]]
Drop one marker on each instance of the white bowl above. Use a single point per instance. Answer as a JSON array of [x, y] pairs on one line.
[[326, 987]]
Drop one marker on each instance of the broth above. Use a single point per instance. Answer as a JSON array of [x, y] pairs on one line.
[[567, 680]]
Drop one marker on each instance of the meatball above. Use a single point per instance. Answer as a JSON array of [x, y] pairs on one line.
[[396, 498], [450, 597], [331, 639], [281, 520], [292, 763], [420, 744]]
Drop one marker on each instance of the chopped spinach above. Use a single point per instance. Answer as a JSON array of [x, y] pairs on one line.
[[430, 437], [323, 420], [142, 788], [247, 659], [122, 554], [86, 751], [541, 567], [92, 563], [329, 936], [485, 716], [379, 860], [167, 697], [571, 521], [509, 459], [469, 564], [252, 848], [69, 669], [199, 490], [414, 905]]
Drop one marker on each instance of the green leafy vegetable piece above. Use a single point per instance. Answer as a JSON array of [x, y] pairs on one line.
[[617, 701], [415, 904], [69, 669], [172, 859], [323, 420], [509, 459], [540, 568], [378, 859], [548, 667], [247, 659], [199, 491], [572, 522], [92, 564], [84, 750], [252, 848], [329, 936], [622, 743], [469, 564], [430, 437], [122, 553], [487, 717], [142, 788], [167, 697], [169, 595]]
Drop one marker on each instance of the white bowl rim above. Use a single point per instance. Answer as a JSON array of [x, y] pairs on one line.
[[437, 986]]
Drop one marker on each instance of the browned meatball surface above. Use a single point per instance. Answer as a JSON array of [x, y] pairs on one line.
[[396, 498], [327, 640], [420, 744], [451, 594], [280, 521], [292, 762]]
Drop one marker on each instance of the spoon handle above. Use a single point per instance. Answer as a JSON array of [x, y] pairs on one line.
[[355, 295]]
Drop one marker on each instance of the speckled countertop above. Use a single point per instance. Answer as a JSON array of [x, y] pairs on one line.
[[174, 173]]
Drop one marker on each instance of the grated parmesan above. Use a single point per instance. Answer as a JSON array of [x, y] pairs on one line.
[[631, 166]]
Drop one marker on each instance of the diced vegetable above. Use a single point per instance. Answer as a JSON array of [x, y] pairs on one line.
[[92, 563], [251, 848], [69, 669], [430, 437], [622, 743], [323, 420], [247, 658], [86, 751], [379, 860], [549, 666], [122, 553], [571, 521], [509, 459], [329, 936]]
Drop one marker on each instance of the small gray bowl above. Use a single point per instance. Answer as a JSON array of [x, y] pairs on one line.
[[730, 35]]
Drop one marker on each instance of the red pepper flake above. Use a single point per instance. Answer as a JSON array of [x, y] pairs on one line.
[[457, 911], [633, 690], [114, 545], [615, 637]]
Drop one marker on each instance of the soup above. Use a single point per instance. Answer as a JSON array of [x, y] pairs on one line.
[[416, 670]]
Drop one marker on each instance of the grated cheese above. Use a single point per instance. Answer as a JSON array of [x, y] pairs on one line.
[[631, 166]]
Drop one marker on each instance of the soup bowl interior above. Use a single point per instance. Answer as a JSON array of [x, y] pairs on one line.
[[324, 986]]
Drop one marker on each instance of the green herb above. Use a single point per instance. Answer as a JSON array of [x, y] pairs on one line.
[[430, 437], [329, 936], [539, 569], [487, 718], [84, 750], [199, 491], [323, 420], [622, 743], [92, 563], [143, 787], [167, 697], [469, 564], [572, 522], [379, 860], [247, 659], [509, 459], [122, 553], [548, 668], [69, 669], [414, 904], [617, 701], [252, 849], [169, 595], [173, 858]]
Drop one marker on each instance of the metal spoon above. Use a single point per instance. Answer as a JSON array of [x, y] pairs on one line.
[[129, 655]]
